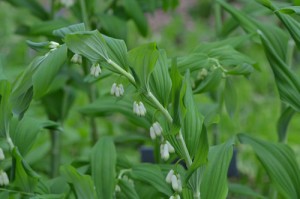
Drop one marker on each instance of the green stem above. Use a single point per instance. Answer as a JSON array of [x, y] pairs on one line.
[[185, 150], [84, 14], [55, 152], [218, 18], [122, 71]]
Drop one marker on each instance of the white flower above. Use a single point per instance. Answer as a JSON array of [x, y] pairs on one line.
[[2, 157], [3, 178], [152, 133], [67, 3], [164, 152], [177, 196], [53, 45], [95, 70], [174, 182], [169, 176], [202, 74], [76, 59], [171, 197], [157, 128], [170, 147], [179, 183], [117, 90], [139, 108]]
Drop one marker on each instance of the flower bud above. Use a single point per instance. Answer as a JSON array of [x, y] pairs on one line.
[[174, 182], [157, 128], [169, 176], [177, 196], [67, 3], [113, 88], [117, 188], [165, 153], [171, 197]]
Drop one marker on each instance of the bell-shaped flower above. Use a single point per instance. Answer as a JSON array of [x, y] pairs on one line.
[[95, 70], [76, 59], [169, 176], [2, 157], [139, 108], [53, 45], [117, 90]]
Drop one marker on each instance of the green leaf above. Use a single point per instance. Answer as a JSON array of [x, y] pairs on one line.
[[5, 106], [62, 32], [82, 184], [48, 70], [216, 171], [152, 175], [127, 190], [283, 122], [90, 44], [143, 59], [210, 82], [134, 10], [244, 191], [193, 120], [280, 163], [192, 62], [230, 97], [160, 81], [287, 82], [103, 165], [25, 178], [290, 10]]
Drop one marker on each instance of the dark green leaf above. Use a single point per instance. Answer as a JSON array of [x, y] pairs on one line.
[[152, 175], [216, 171], [283, 122], [62, 32], [114, 26], [280, 163], [127, 190], [82, 184], [5, 107], [103, 164], [244, 191], [230, 97]]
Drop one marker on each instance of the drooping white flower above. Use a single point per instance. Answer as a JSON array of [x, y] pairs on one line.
[[179, 183], [95, 70], [177, 196], [53, 45], [164, 152], [3, 178], [117, 90], [174, 182], [67, 3], [2, 157], [169, 176], [152, 133], [117, 188], [157, 128], [139, 108], [170, 147], [76, 59], [171, 197], [202, 74]]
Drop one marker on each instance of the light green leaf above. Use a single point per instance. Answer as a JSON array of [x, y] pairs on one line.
[[48, 70], [152, 175], [290, 10], [216, 171], [160, 81], [280, 163], [82, 184], [143, 59], [90, 44], [192, 62], [62, 32], [134, 10], [103, 165]]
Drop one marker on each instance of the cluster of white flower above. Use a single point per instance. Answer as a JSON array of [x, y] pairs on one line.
[[165, 150], [76, 59], [53, 45], [139, 108], [3, 178], [95, 70], [117, 90], [155, 130], [175, 180]]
